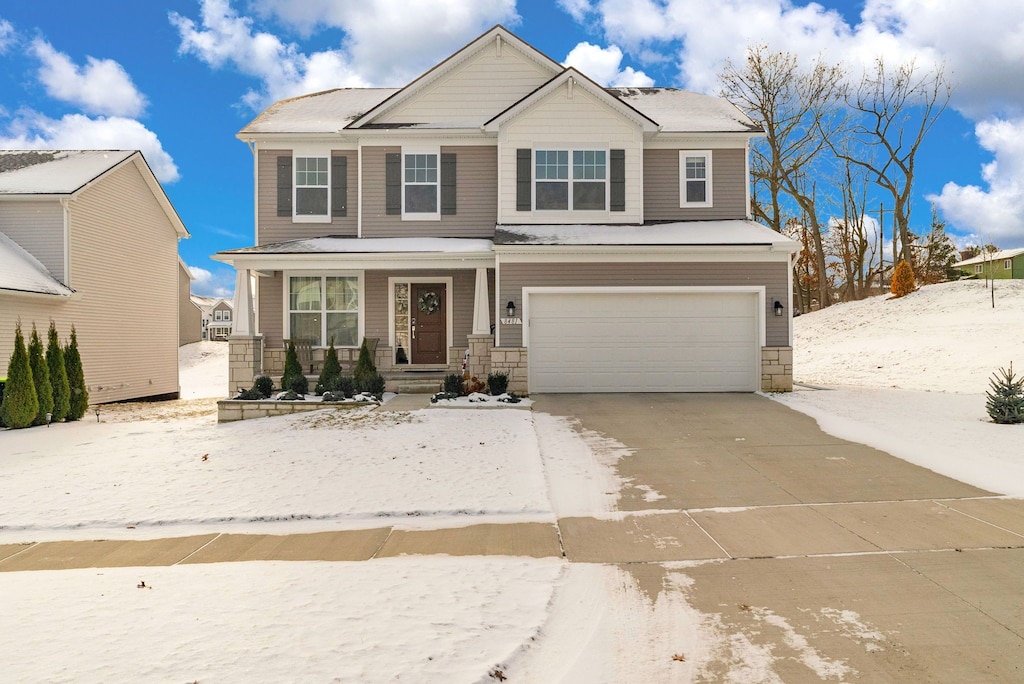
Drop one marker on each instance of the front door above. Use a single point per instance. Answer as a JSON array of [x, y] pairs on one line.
[[429, 322]]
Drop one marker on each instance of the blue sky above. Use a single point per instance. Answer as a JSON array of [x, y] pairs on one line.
[[179, 78]]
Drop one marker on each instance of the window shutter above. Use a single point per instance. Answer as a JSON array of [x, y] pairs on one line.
[[393, 183], [339, 186], [523, 179], [284, 186], [448, 184], [618, 180]]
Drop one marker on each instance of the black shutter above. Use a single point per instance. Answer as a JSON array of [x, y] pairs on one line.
[[339, 186], [447, 184], [618, 179], [523, 179], [393, 183], [284, 186]]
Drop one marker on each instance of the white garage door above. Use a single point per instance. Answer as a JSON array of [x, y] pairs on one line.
[[643, 342]]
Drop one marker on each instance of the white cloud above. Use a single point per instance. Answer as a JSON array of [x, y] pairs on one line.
[[7, 35], [101, 86], [32, 130], [385, 42], [208, 284], [602, 65], [995, 213], [577, 9]]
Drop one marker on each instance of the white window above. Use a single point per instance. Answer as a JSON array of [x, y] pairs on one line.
[[694, 178], [324, 309], [227, 315], [421, 191], [312, 183], [1008, 264], [977, 268], [583, 187], [216, 315]]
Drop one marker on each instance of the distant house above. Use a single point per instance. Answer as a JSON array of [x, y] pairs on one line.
[[90, 239], [217, 315], [190, 316], [1001, 265]]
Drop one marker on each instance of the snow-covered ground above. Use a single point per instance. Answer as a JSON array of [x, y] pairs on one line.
[[909, 375]]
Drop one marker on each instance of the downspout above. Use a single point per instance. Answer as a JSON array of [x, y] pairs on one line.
[[359, 188], [254, 148], [64, 203]]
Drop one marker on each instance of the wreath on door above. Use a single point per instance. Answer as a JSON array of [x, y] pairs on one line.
[[429, 302]]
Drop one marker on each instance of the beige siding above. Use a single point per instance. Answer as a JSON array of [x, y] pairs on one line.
[[514, 277], [274, 228], [124, 265], [476, 196], [661, 187], [271, 310], [38, 227], [190, 318], [475, 91], [557, 122]]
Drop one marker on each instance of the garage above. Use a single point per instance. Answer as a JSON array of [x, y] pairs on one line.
[[643, 339]]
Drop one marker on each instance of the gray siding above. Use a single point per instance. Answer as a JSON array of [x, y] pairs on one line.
[[661, 187], [274, 228], [38, 228], [476, 189], [773, 276], [271, 308]]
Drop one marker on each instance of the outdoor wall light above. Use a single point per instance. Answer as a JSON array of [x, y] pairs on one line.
[[510, 308], [778, 307]]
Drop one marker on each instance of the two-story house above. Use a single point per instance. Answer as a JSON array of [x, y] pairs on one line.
[[507, 211]]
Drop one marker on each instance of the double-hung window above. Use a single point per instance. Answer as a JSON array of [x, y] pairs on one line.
[[581, 186], [695, 178], [1008, 264], [311, 186], [217, 315], [324, 309], [420, 187]]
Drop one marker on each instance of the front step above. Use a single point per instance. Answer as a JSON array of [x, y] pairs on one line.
[[414, 382]]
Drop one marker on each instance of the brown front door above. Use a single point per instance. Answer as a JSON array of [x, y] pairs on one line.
[[429, 323]]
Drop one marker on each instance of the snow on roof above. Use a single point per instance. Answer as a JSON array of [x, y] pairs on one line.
[[685, 111], [22, 272], [325, 112], [682, 233], [54, 172], [992, 256], [353, 245]]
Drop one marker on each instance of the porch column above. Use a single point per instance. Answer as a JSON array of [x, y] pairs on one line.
[[244, 323], [245, 348], [481, 306]]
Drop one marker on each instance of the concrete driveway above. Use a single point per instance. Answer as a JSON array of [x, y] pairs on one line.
[[836, 560]]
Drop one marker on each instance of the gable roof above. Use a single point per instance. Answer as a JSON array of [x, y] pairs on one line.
[[497, 32], [323, 112], [587, 84], [684, 111], [20, 272], [991, 256]]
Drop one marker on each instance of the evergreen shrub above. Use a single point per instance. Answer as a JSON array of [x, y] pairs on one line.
[[58, 375], [76, 379], [41, 378], [497, 383], [264, 385], [364, 366], [330, 372], [20, 404], [1005, 399], [452, 384], [293, 379]]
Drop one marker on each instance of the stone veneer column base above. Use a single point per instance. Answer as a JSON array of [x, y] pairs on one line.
[[245, 361], [512, 360], [479, 363], [776, 369]]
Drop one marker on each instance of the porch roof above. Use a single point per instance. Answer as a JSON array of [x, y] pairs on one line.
[[353, 252], [733, 233], [20, 272]]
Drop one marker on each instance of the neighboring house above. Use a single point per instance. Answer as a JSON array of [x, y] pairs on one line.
[[1007, 263], [81, 234], [509, 211], [190, 316], [220, 322]]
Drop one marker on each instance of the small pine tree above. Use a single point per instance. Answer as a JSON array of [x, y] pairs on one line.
[[41, 378], [20, 404], [79, 401], [330, 372], [58, 375], [902, 280], [1005, 402], [293, 379], [365, 368]]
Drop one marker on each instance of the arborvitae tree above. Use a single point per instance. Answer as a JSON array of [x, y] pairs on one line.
[[41, 378], [20, 404], [330, 372], [365, 368], [79, 403], [1006, 398], [293, 379], [58, 375], [902, 280]]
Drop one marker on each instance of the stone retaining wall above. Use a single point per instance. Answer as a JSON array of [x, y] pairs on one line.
[[511, 360], [230, 410]]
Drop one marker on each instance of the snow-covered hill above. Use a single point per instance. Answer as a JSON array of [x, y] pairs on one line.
[[944, 337]]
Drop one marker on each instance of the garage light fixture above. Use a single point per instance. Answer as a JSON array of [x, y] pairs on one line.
[[778, 307], [510, 308]]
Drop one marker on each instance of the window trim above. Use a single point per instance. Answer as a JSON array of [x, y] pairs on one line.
[[422, 215], [708, 179], [217, 315], [1007, 264], [314, 153], [286, 277], [569, 181], [978, 268]]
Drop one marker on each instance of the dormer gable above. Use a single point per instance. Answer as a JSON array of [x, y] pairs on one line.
[[468, 88]]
